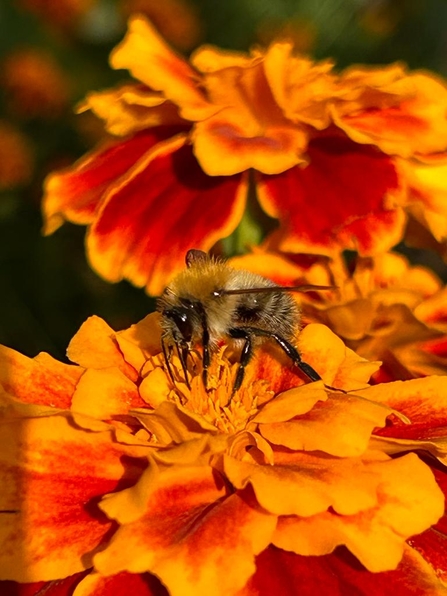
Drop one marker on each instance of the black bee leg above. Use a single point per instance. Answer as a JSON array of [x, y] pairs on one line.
[[167, 356], [183, 352], [205, 346], [246, 354], [288, 349], [295, 356]]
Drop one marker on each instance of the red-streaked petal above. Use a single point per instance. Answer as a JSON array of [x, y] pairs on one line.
[[408, 502], [41, 380], [74, 194], [339, 574], [145, 226], [342, 199], [180, 525], [121, 584], [52, 473], [424, 401], [415, 125]]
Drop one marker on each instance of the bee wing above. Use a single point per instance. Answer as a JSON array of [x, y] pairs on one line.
[[264, 290]]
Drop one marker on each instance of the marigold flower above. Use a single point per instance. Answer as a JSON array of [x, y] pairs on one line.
[[64, 14], [35, 84], [383, 308], [16, 157], [327, 149], [114, 475]]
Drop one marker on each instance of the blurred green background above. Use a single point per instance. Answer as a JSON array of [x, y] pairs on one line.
[[53, 51]]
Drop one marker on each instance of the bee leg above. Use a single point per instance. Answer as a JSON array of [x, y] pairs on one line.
[[289, 350], [206, 356], [246, 354], [183, 352], [206, 348], [295, 356], [167, 356]]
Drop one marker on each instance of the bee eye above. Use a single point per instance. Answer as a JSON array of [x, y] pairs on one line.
[[181, 317]]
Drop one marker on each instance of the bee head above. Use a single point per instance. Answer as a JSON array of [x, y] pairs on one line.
[[180, 320]]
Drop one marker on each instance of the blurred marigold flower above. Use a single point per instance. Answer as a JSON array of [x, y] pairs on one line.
[[34, 84], [327, 149], [63, 14], [383, 308], [16, 157], [113, 472]]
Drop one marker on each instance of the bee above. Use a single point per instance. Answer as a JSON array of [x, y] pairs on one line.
[[210, 302]]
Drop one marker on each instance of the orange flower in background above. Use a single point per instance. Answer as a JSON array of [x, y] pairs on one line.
[[329, 151], [16, 157], [35, 84], [64, 14], [119, 478], [383, 308]]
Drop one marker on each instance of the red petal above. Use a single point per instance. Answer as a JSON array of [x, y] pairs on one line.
[[59, 587], [339, 574], [74, 193], [122, 584], [146, 226], [337, 201]]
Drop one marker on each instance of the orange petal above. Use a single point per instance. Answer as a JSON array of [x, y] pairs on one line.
[[105, 393], [140, 341], [131, 108], [41, 380], [223, 146], [305, 484], [149, 59], [409, 501], [249, 130], [351, 214], [177, 524], [339, 366], [433, 311], [74, 194], [291, 403], [95, 346], [340, 426], [300, 87], [52, 474], [146, 226], [428, 192]]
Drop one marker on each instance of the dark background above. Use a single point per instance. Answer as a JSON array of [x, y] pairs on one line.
[[52, 53]]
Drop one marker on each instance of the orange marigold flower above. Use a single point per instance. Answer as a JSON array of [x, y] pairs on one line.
[[16, 157], [64, 14], [34, 83], [117, 476], [326, 148], [383, 308]]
